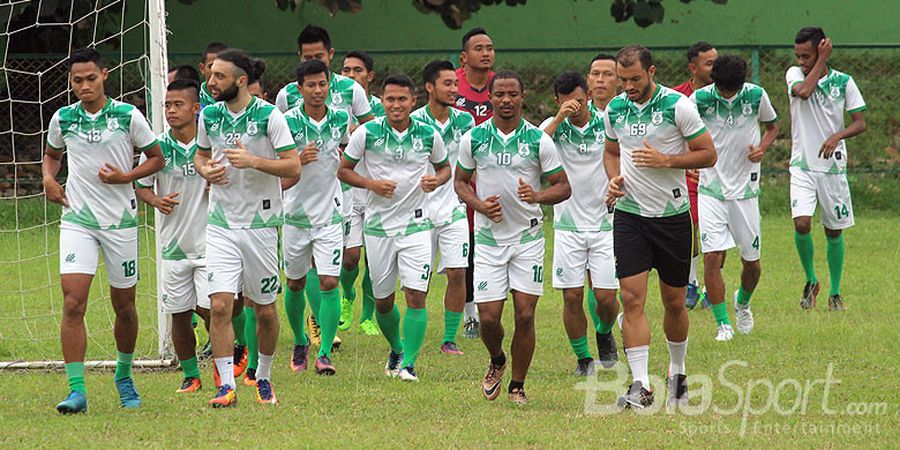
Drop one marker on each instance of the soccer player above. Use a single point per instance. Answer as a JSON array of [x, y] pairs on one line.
[[700, 58], [582, 225], [359, 66], [180, 196], [601, 79], [729, 191], [819, 95], [184, 72], [243, 147], [205, 66], [258, 89], [396, 152], [312, 221], [99, 212], [509, 157], [647, 127], [447, 213]]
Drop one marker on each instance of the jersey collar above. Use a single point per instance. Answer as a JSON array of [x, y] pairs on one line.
[[87, 116]]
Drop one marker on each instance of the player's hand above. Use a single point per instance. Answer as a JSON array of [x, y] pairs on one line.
[[55, 192], [111, 174], [309, 154], [649, 156], [526, 193], [615, 190], [167, 203], [214, 172], [429, 183], [568, 108], [384, 188], [693, 174], [756, 154], [828, 146], [240, 157], [491, 208], [824, 48]]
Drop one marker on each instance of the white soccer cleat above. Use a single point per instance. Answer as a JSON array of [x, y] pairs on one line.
[[726, 333], [744, 319]]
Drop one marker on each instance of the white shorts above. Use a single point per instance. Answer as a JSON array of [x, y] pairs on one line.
[[353, 229], [347, 198], [185, 285], [245, 260], [724, 223], [575, 252], [408, 257], [452, 241], [79, 252], [301, 245], [830, 189], [518, 267]]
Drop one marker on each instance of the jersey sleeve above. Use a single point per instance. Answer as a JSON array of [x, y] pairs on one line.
[[853, 100], [767, 112], [608, 129], [360, 106], [546, 122], [687, 119], [468, 121], [549, 158], [203, 143], [54, 133], [356, 147], [281, 99], [466, 162], [793, 76], [693, 97], [148, 181], [279, 133], [438, 151], [142, 135]]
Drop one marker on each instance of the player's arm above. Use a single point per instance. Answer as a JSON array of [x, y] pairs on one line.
[[702, 153], [211, 170], [558, 191], [768, 138], [353, 153], [857, 126], [565, 110], [164, 204], [111, 174], [50, 167], [439, 160], [286, 165], [360, 107], [462, 184], [808, 86]]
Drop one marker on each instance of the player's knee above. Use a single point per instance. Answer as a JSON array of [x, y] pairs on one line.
[[525, 318], [456, 277], [832, 233], [328, 283], [572, 303], [632, 303], [297, 285], [802, 225], [712, 261], [266, 315], [74, 308], [753, 268], [384, 305], [221, 307]]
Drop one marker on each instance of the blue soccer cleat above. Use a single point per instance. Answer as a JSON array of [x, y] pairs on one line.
[[75, 402], [692, 296], [128, 395]]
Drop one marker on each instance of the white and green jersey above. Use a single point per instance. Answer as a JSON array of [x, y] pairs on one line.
[[667, 121], [581, 151], [206, 97], [733, 124], [821, 115], [444, 205], [91, 141], [252, 198], [500, 160], [359, 194], [403, 157], [376, 106], [343, 93], [315, 201], [183, 231]]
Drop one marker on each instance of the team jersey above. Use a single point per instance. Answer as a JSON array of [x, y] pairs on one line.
[[91, 141], [183, 231], [206, 97], [666, 122], [500, 160], [343, 93], [581, 150], [376, 106], [315, 201], [733, 124], [401, 157], [476, 101], [444, 205], [821, 115], [252, 198]]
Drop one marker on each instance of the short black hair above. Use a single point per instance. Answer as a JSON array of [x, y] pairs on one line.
[[186, 72], [813, 35], [472, 33], [433, 70], [631, 54], [364, 57], [212, 47], [184, 84], [86, 55], [567, 81], [262, 84], [312, 34], [400, 79], [506, 75], [254, 68], [310, 67], [699, 47], [729, 72]]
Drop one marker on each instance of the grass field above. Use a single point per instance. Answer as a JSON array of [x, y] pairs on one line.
[[788, 351]]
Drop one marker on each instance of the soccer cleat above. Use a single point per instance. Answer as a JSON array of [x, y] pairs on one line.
[[692, 296], [810, 291], [264, 393], [299, 357], [408, 373], [190, 384], [369, 328], [315, 333], [336, 344], [205, 352], [636, 397], [676, 386], [517, 396], [490, 386], [346, 315], [241, 359], [250, 377], [836, 303], [607, 352], [585, 367], [224, 398], [75, 402], [128, 395], [324, 366], [704, 300], [744, 317], [392, 367], [470, 329], [725, 333], [450, 348]]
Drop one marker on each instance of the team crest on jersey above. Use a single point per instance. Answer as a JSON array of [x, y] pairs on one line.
[[598, 137], [482, 148], [524, 149], [252, 128], [746, 109], [335, 133], [620, 119], [112, 123], [214, 127], [417, 144], [456, 134], [379, 142], [656, 118], [711, 110], [835, 91], [337, 98], [299, 136]]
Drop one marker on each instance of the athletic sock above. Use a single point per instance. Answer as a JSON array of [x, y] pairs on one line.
[[75, 374], [368, 306], [123, 365], [677, 351], [390, 328], [835, 254], [451, 325], [580, 347], [238, 323], [638, 358], [414, 323], [499, 361], [695, 260], [252, 338], [592, 309], [328, 318], [295, 305], [189, 367], [194, 320], [348, 280], [806, 250], [743, 297], [720, 312], [470, 311], [265, 366], [313, 292], [225, 366]]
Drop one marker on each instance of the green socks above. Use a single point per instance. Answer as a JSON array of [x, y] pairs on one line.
[[75, 374], [805, 248], [413, 334], [720, 312], [313, 292], [835, 262], [599, 325], [451, 325], [368, 306], [348, 280], [189, 367], [123, 365], [390, 327], [743, 297], [238, 323], [295, 305], [580, 347], [252, 339], [328, 318]]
